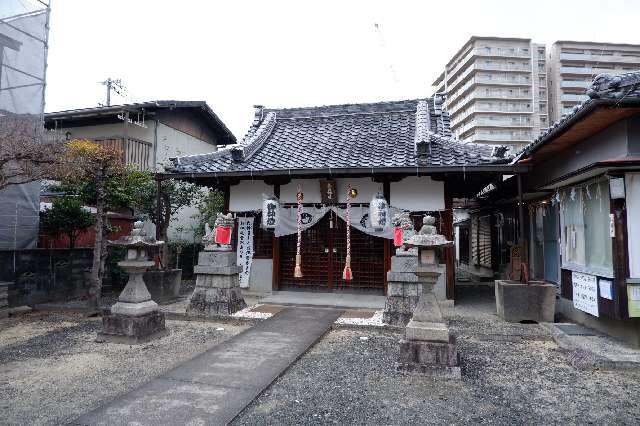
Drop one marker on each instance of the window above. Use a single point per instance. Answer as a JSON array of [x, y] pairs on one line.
[[584, 218]]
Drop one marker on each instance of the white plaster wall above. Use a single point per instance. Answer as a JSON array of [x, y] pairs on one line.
[[632, 183], [247, 195], [173, 143], [417, 193], [366, 187], [111, 131], [311, 189]]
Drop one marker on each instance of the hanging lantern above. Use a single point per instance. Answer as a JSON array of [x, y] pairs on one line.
[[270, 212], [347, 275], [379, 212], [297, 271]]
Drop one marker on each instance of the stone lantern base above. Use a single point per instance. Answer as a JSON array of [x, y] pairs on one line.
[[428, 347], [118, 328], [217, 289], [135, 318]]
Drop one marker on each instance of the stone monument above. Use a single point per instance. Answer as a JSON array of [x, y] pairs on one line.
[[428, 347], [217, 289], [135, 318], [403, 286]]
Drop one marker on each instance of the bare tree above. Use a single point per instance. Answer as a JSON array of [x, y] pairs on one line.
[[27, 152]]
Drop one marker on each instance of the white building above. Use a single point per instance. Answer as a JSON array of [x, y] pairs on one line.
[[148, 134], [496, 90], [572, 66]]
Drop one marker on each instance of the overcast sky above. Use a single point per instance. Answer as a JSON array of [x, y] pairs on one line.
[[235, 54]]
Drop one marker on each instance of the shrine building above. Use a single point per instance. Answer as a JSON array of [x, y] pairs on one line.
[[402, 152]]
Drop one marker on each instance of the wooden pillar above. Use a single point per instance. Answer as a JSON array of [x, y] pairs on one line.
[[449, 252], [388, 244], [620, 257], [275, 250]]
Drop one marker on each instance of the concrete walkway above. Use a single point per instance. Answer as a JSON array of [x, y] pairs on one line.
[[214, 387]]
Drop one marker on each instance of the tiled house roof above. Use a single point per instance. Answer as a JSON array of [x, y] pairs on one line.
[[606, 89], [387, 135]]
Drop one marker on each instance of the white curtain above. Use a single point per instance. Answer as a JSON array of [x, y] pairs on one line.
[[573, 230], [596, 219], [632, 184], [288, 221]]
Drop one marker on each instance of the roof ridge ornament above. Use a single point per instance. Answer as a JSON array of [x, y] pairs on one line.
[[244, 151], [616, 86]]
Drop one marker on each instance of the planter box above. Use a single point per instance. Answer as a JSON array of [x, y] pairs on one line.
[[163, 284], [517, 302]]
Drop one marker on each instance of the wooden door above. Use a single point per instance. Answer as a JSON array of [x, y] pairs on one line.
[[367, 260], [315, 258], [323, 259]]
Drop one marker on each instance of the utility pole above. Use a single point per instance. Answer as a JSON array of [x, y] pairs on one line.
[[115, 85]]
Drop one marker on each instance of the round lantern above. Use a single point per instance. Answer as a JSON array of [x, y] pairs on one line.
[[270, 212], [379, 212]]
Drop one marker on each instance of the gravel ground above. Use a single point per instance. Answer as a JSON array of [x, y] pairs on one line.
[[51, 369], [511, 373]]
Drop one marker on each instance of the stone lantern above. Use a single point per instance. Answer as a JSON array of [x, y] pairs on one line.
[[135, 318], [428, 346]]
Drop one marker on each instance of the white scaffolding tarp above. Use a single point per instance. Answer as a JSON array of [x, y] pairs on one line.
[[24, 28]]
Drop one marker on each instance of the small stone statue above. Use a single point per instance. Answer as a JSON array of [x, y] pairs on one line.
[[428, 234], [403, 221], [209, 237]]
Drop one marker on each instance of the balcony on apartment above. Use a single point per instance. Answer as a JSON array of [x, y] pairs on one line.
[[489, 52], [480, 107], [590, 57], [504, 73], [572, 97], [133, 152], [576, 84], [496, 123], [501, 137]]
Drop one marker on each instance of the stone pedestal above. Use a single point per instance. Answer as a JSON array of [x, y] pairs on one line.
[[4, 299], [403, 288], [135, 318], [428, 347], [217, 289]]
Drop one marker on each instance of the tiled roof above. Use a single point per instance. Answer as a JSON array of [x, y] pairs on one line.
[[611, 89], [357, 136]]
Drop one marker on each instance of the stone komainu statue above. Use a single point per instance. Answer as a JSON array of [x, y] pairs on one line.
[[209, 238]]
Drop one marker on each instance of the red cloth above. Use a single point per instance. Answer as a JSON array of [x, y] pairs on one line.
[[223, 235], [397, 237]]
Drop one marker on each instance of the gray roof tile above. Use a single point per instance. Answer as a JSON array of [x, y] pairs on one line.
[[377, 135]]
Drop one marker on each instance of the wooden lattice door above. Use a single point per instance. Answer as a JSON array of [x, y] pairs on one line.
[[315, 258], [323, 257]]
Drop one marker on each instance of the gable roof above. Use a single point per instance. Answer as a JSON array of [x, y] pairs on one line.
[[91, 116], [611, 99], [340, 138]]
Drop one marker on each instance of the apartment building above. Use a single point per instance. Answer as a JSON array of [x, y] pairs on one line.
[[572, 65], [496, 90]]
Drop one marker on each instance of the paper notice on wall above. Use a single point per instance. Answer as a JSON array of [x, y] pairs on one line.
[[585, 292], [245, 249], [606, 289]]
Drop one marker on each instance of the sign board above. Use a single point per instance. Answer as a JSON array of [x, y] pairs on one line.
[[585, 292], [606, 288], [633, 297], [616, 188], [328, 192], [245, 249]]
